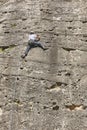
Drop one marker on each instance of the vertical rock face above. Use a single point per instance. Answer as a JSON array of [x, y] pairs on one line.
[[48, 91]]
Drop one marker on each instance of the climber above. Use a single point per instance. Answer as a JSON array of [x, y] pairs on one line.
[[33, 41]]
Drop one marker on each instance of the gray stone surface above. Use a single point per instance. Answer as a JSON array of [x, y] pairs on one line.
[[48, 90]]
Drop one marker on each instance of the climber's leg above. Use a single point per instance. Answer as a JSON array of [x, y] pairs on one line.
[[38, 44], [26, 51]]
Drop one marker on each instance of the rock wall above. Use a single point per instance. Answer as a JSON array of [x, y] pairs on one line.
[[48, 90]]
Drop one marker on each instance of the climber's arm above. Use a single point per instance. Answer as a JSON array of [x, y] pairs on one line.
[[37, 38]]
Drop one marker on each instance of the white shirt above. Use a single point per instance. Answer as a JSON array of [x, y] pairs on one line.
[[32, 37]]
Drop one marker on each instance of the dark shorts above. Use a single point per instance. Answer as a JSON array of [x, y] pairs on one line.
[[33, 43], [30, 42]]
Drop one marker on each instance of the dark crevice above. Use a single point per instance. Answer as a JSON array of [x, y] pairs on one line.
[[79, 80], [68, 49], [84, 21], [7, 32], [56, 108], [17, 101], [56, 85], [68, 74], [71, 28], [38, 102], [84, 35], [11, 11], [5, 12], [84, 40], [6, 96], [18, 78], [76, 107], [69, 21], [38, 112], [21, 68], [6, 67], [45, 107], [51, 29], [23, 19], [6, 47], [54, 103], [61, 83], [56, 34], [47, 11]]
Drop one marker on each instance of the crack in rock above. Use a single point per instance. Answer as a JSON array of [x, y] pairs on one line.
[[7, 47], [56, 108], [76, 107], [56, 87], [68, 49]]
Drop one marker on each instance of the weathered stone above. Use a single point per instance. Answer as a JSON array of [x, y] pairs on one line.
[[47, 90]]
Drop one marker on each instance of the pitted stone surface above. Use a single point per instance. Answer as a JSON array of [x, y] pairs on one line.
[[47, 90]]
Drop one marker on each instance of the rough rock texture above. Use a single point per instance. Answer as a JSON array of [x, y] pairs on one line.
[[48, 91]]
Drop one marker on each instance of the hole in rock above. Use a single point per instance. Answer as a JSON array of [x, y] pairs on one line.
[[54, 103], [70, 27], [4, 12], [56, 108], [38, 102], [45, 107], [38, 112], [18, 78], [67, 74], [21, 68], [84, 21], [23, 19], [6, 32]]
